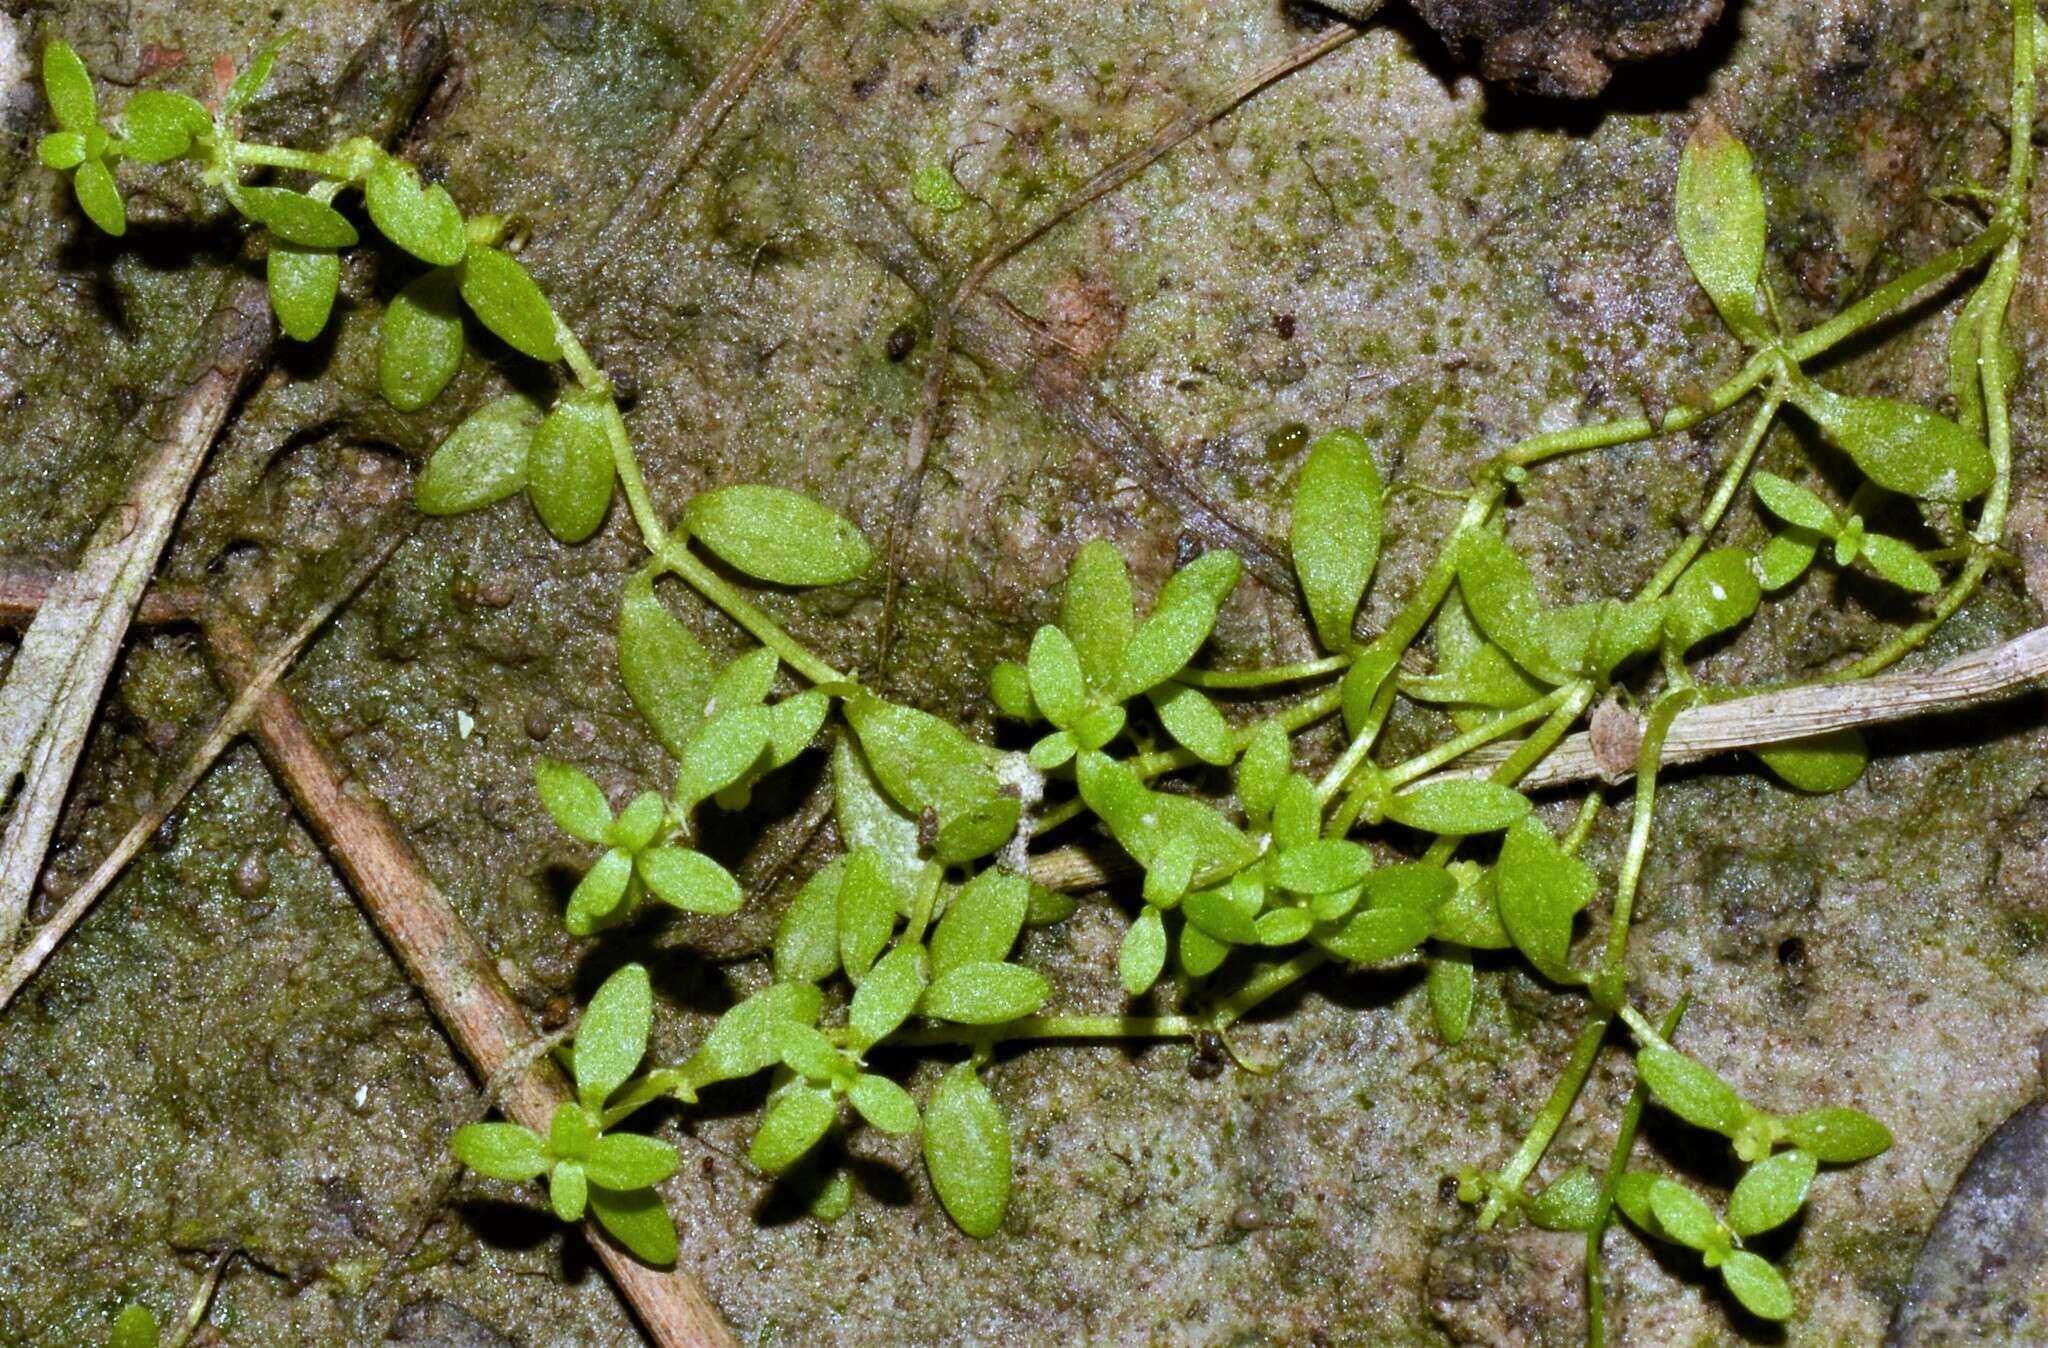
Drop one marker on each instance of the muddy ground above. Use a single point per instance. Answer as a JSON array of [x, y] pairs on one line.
[[224, 1056]]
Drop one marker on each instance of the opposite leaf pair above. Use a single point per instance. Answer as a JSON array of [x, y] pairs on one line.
[[610, 1174]]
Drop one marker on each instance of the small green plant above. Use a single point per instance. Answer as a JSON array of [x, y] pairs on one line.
[[909, 940]]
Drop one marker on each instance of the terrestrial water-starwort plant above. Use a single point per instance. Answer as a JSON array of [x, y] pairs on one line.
[[909, 939]]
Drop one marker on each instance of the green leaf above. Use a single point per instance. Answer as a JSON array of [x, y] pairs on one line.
[[807, 938], [778, 536], [1900, 563], [637, 1219], [886, 997], [252, 79], [158, 126], [1096, 611], [833, 1198], [638, 823], [629, 1161], [1144, 821], [1297, 814], [612, 1037], [1336, 532], [1057, 686], [1336, 904], [868, 905], [1721, 224], [1901, 447], [1541, 889], [689, 880], [1683, 1215], [303, 283], [599, 893], [810, 1054], [1461, 806], [1098, 727], [1757, 1285], [136, 1328], [62, 149], [1571, 1202], [1501, 598], [296, 217], [793, 723], [482, 461], [986, 992], [1794, 504], [506, 300], [1284, 926], [746, 682], [1181, 621], [1200, 953], [725, 748], [1009, 686], [982, 922], [569, 469], [796, 1118], [568, 1190], [1053, 751], [868, 818], [1322, 867], [1268, 759], [69, 88], [1786, 557], [1192, 719], [748, 1037], [666, 670], [1469, 913], [99, 198], [1376, 935], [1228, 913], [574, 801], [1773, 1190], [978, 831], [505, 1151], [1821, 764], [1716, 593], [1632, 1196], [1839, 1135], [424, 221], [934, 185], [1143, 956], [883, 1103], [967, 1151], [922, 761], [420, 348], [1691, 1091]]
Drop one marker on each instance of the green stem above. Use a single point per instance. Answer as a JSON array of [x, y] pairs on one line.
[[927, 898], [1610, 983], [279, 156], [1508, 1185], [1527, 755], [1264, 678], [1610, 1184], [1710, 520], [1264, 985], [1551, 444], [1480, 735], [1050, 1027], [677, 558]]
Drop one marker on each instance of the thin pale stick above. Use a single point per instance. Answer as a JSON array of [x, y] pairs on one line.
[[80, 902]]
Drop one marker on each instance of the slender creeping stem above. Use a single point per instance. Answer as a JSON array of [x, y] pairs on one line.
[[1265, 678], [1507, 1187], [1731, 482], [1610, 984], [1051, 1027], [678, 559], [1610, 1184]]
